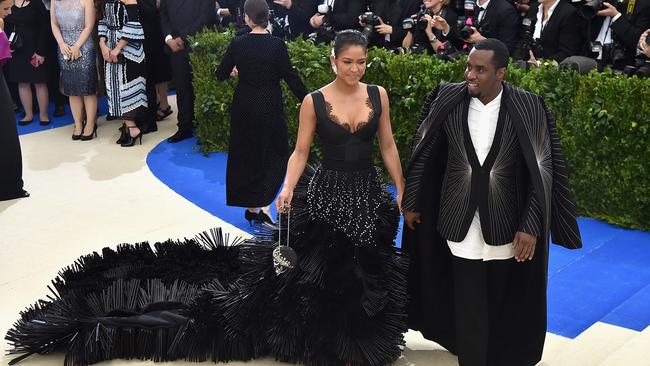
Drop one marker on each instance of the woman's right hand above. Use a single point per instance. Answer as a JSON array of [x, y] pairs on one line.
[[283, 202], [65, 50]]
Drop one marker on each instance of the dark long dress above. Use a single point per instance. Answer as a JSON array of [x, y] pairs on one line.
[[344, 303], [258, 146], [11, 165], [32, 25]]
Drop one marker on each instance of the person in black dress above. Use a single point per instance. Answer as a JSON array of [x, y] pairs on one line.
[[11, 165], [158, 65], [30, 22], [258, 146]]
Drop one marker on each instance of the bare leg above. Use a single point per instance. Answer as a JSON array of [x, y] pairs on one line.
[[161, 91], [133, 129], [77, 108], [25, 93], [90, 103], [43, 100]]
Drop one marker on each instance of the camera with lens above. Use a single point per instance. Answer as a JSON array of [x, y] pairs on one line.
[[528, 41], [325, 33], [614, 55], [448, 52], [279, 27], [469, 20], [371, 20], [590, 8]]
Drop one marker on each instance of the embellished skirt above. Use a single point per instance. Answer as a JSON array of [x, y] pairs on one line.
[[212, 298]]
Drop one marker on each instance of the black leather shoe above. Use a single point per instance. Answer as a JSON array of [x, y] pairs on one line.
[[59, 110], [180, 135]]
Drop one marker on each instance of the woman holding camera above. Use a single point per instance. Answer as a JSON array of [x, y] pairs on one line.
[[28, 30], [258, 146], [11, 165], [433, 26], [73, 22]]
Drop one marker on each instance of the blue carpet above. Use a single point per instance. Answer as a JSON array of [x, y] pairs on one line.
[[608, 280], [57, 121]]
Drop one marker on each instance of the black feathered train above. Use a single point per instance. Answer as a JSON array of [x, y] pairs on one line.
[[211, 298]]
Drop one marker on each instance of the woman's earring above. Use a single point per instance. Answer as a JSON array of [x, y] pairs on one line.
[[334, 68]]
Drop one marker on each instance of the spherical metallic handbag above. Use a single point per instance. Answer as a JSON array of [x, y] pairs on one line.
[[284, 257]]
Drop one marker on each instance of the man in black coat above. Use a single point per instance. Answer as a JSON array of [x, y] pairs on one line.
[[485, 184], [180, 19], [344, 14], [298, 13], [560, 34], [624, 25], [497, 19], [389, 32]]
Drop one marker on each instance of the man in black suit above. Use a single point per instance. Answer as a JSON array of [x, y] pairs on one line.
[[623, 24], [344, 14], [558, 29], [496, 19], [180, 19], [389, 32], [298, 13], [485, 184]]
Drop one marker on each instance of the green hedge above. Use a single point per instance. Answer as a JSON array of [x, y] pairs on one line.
[[604, 120]]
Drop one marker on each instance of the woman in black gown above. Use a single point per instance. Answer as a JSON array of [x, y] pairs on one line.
[[258, 146], [342, 303], [30, 22], [11, 165]]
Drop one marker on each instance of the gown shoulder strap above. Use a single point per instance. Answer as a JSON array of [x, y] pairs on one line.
[[375, 98], [319, 104]]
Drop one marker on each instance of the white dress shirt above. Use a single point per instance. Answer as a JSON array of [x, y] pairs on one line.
[[605, 34], [481, 14], [541, 23], [482, 122]]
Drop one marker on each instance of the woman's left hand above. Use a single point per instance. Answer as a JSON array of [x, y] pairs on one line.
[[39, 59], [75, 53], [114, 53], [234, 71]]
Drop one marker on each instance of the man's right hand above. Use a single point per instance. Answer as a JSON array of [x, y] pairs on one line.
[[176, 44], [411, 219]]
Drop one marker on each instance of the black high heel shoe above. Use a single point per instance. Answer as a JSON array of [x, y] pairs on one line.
[[262, 217], [91, 136], [77, 137], [250, 216], [123, 133], [130, 140]]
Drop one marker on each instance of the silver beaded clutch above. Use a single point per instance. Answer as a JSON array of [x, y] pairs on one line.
[[284, 257]]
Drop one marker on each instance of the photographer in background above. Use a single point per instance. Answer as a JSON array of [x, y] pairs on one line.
[[386, 31], [434, 24], [343, 14], [557, 31], [615, 28], [494, 19], [299, 13]]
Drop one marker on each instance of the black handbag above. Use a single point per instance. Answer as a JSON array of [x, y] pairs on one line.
[[15, 41], [284, 257]]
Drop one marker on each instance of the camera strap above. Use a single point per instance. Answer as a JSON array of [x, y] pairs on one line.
[[630, 6]]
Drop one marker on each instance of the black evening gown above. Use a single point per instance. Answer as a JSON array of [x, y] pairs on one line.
[[258, 148], [210, 298], [11, 164], [32, 25]]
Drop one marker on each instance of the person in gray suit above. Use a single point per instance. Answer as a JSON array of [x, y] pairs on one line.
[[180, 19], [485, 184]]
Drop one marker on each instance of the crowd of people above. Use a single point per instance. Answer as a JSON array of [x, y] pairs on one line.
[[325, 285]]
